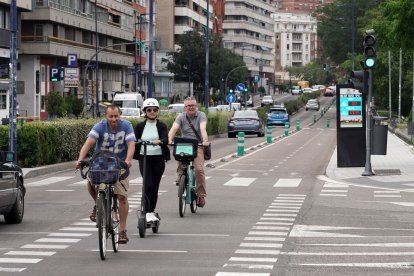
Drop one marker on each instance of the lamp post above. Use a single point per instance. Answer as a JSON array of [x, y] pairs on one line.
[[206, 90], [96, 61], [352, 29], [138, 70], [12, 77]]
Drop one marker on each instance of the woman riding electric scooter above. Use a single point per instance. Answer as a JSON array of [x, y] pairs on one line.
[[155, 134]]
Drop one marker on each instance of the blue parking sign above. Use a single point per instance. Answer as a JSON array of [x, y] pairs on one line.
[[72, 60]]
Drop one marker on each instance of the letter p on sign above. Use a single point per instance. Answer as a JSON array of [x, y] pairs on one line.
[[72, 60]]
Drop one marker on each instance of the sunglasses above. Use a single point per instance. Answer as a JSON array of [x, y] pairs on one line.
[[151, 110], [190, 105]]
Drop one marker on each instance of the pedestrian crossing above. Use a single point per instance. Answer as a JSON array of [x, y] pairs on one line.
[[260, 249]]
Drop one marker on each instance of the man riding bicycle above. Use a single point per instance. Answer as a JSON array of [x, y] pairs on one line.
[[199, 121], [116, 135]]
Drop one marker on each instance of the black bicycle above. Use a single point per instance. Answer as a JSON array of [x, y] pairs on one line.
[[104, 169]]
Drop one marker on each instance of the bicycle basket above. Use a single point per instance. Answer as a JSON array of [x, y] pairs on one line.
[[104, 168], [185, 149]]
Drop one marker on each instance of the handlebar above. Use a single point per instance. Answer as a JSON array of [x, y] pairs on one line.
[[144, 142], [86, 164]]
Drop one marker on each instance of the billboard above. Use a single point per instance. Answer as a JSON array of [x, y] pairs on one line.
[[350, 108]]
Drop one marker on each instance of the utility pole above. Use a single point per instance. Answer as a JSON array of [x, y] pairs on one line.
[[151, 47], [12, 92], [389, 86], [96, 61], [399, 88], [206, 90]]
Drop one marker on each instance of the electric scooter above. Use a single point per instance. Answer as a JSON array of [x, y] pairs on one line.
[[143, 224]]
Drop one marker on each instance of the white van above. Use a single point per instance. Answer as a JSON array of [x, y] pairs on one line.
[[130, 102], [176, 108]]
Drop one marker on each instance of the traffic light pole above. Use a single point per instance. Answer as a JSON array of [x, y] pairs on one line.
[[369, 121]]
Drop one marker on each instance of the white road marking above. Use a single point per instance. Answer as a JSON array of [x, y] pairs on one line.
[[145, 251], [60, 190], [264, 239], [246, 259], [334, 191], [286, 204], [57, 240], [387, 244], [264, 233], [270, 228], [279, 210], [316, 231], [239, 181], [241, 274], [78, 229], [287, 201], [19, 260], [387, 196], [249, 266], [30, 253], [386, 192], [279, 215], [11, 269], [349, 253], [136, 180], [274, 223], [267, 245], [258, 252], [298, 195], [406, 204], [377, 265], [285, 207], [45, 246], [287, 182], [48, 181], [288, 197], [69, 234], [339, 195], [84, 223], [279, 219]]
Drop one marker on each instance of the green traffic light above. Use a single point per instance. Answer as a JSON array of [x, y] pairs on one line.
[[231, 91], [369, 62]]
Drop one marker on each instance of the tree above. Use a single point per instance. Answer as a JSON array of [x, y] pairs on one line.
[[55, 104], [189, 60]]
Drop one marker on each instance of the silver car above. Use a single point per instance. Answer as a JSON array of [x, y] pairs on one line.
[[267, 100], [312, 104]]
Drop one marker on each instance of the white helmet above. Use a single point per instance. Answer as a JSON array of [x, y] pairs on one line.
[[150, 102]]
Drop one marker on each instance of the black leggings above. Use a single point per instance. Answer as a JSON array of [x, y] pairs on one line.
[[155, 168]]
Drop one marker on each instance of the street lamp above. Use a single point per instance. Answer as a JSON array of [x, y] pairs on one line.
[[352, 29], [96, 61], [138, 80]]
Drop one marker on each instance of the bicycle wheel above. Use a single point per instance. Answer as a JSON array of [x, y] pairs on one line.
[[115, 225], [182, 194], [193, 204], [102, 230]]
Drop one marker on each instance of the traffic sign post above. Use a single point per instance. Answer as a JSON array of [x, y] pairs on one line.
[[240, 87], [230, 98]]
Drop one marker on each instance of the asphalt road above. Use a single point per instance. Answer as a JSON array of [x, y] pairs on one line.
[[270, 212]]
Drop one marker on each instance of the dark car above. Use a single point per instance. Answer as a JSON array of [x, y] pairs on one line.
[[278, 115], [12, 190], [246, 121]]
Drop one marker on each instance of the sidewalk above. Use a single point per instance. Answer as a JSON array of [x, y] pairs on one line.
[[393, 171]]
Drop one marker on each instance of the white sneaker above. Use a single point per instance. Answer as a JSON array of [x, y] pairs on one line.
[[150, 217]]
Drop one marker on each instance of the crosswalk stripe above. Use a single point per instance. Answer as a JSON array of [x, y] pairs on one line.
[[19, 260], [30, 253], [270, 228], [249, 266], [258, 252], [281, 211], [264, 239], [255, 244], [287, 182], [69, 234], [44, 246], [78, 229], [241, 274], [11, 269], [57, 240], [239, 181], [264, 233], [247, 259]]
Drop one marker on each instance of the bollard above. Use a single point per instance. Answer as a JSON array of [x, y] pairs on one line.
[[240, 144], [314, 118], [297, 124], [328, 123], [286, 129], [269, 134]]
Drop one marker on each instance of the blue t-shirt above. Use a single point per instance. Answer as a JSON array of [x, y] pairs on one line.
[[117, 141]]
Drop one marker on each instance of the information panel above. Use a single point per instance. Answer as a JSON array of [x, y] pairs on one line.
[[350, 112]]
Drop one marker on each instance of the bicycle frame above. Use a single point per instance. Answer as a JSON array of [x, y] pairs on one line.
[[188, 171]]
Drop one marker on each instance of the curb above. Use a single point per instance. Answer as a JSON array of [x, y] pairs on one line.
[[33, 172]]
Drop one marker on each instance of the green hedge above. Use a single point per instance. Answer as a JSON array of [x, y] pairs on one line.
[[60, 140]]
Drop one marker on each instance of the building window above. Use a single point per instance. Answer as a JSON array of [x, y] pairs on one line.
[[287, 46], [287, 36], [287, 56], [3, 99]]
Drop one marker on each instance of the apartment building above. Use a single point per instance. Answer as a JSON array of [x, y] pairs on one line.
[[58, 31], [248, 30], [300, 6], [295, 41], [5, 35]]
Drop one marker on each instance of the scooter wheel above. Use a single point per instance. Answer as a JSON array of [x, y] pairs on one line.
[[155, 228], [142, 227]]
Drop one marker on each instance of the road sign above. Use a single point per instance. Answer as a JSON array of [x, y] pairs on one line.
[[71, 77], [72, 60], [240, 87], [256, 78], [56, 73], [230, 98]]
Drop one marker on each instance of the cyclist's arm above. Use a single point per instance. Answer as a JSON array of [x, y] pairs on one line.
[[175, 127], [203, 130], [84, 150], [130, 153]]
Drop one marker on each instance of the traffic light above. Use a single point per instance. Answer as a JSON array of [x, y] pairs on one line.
[[369, 49], [231, 91], [324, 66], [360, 80]]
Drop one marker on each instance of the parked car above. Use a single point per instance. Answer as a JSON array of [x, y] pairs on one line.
[[278, 115], [329, 91], [296, 90], [312, 104], [12, 190], [307, 90], [223, 107], [267, 100], [247, 121], [176, 108], [131, 113]]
